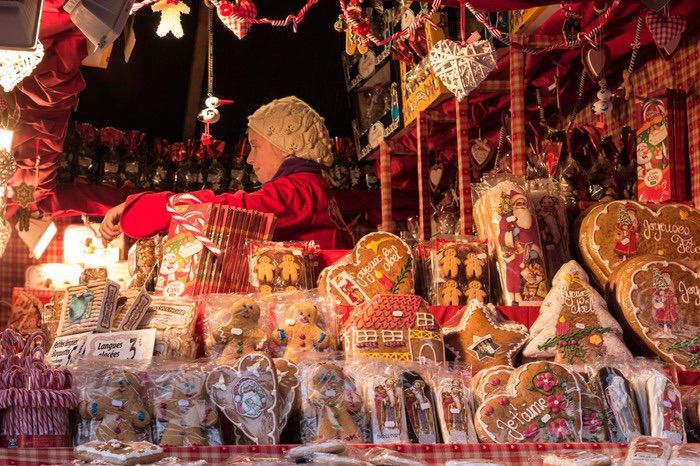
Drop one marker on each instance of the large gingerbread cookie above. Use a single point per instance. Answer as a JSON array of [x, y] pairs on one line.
[[574, 325], [659, 300], [381, 263], [618, 230], [481, 338], [541, 403], [249, 395], [505, 218]]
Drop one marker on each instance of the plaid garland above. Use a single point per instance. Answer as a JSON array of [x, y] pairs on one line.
[[434, 455], [517, 111], [681, 72]]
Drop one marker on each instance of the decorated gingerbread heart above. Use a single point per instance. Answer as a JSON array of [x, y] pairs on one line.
[[542, 403], [381, 263], [234, 14], [288, 383], [659, 299], [574, 325], [490, 380], [479, 337], [248, 394], [613, 232]]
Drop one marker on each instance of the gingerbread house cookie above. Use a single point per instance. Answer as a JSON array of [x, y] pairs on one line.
[[395, 327], [619, 230], [574, 326], [89, 308], [381, 263], [541, 403], [479, 337], [659, 299]]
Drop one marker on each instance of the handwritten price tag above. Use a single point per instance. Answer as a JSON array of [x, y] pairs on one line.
[[133, 345], [66, 350]]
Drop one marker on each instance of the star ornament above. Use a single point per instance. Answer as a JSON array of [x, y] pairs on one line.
[[482, 338]]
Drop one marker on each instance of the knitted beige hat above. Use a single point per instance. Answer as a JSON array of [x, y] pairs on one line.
[[291, 125]]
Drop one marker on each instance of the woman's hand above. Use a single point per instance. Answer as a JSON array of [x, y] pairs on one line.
[[110, 228]]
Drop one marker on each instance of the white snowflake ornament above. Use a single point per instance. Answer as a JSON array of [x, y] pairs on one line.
[[462, 67]]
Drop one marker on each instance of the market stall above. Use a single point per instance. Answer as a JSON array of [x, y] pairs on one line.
[[498, 268]]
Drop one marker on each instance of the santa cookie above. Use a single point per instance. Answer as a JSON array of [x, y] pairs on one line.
[[249, 396], [665, 410], [419, 405], [454, 410], [383, 396], [616, 231], [381, 263], [620, 404], [541, 403], [479, 337], [505, 218], [574, 326], [240, 334], [659, 300]]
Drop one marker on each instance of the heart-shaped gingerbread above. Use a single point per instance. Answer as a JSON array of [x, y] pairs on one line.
[[659, 300], [461, 68], [288, 383], [594, 59], [243, 8], [381, 263], [481, 152], [248, 395], [615, 231], [541, 403]]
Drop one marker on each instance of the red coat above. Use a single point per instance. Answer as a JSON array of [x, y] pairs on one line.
[[302, 202]]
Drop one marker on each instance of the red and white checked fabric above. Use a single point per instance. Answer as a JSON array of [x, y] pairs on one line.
[[434, 455], [229, 15], [191, 221], [463, 168], [664, 29], [424, 205], [517, 110], [682, 71]]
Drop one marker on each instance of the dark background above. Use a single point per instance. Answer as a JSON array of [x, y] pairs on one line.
[[149, 93]]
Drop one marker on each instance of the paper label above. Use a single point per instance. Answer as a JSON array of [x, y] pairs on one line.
[[136, 345], [66, 350]]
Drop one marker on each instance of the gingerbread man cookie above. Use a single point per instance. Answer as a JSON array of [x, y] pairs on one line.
[[450, 263], [265, 269], [331, 405], [241, 334], [184, 410], [300, 331], [474, 291], [289, 269], [474, 265], [120, 409], [450, 294]]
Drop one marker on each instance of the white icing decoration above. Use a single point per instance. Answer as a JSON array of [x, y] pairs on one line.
[[236, 331]]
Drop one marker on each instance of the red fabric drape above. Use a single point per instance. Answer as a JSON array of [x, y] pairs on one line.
[[46, 99]]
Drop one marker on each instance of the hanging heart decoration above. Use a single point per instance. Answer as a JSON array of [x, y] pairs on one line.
[[230, 14], [666, 31], [655, 4], [436, 172], [462, 67], [595, 59], [481, 152]]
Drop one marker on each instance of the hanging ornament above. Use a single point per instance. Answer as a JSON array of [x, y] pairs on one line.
[[210, 115], [356, 27], [594, 59], [23, 195], [603, 105], [231, 13], [666, 31], [8, 167], [170, 11], [482, 152], [572, 24], [626, 86], [463, 65]]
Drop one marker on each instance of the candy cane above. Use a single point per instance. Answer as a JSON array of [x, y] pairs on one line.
[[188, 221]]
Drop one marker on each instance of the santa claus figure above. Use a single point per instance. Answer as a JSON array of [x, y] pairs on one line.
[[518, 237], [663, 301], [626, 232], [552, 233]]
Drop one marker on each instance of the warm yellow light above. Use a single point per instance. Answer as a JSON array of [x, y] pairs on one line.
[[6, 139], [37, 238]]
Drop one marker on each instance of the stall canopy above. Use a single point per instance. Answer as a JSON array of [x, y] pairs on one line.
[[47, 97]]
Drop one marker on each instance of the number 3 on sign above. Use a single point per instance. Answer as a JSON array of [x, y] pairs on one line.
[[132, 348]]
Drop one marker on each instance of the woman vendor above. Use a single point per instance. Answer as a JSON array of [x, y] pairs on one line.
[[288, 144]]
